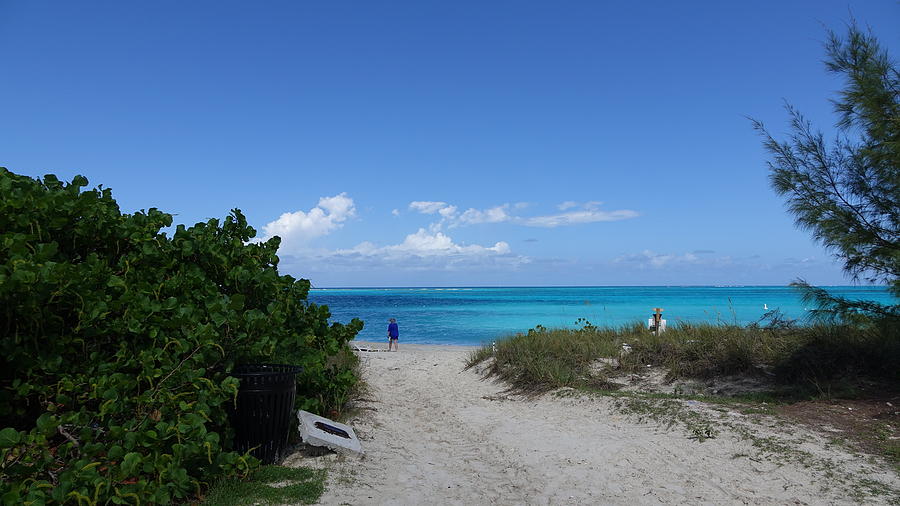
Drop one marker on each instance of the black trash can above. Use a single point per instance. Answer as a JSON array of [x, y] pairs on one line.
[[265, 405]]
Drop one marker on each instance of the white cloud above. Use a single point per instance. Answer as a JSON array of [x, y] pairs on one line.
[[424, 250], [427, 243], [496, 214], [429, 248], [576, 217], [340, 206], [450, 215], [799, 261], [299, 227], [427, 207]]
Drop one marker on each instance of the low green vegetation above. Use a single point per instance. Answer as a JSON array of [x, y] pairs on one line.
[[269, 485], [668, 412], [116, 342], [544, 359], [881, 434], [799, 360]]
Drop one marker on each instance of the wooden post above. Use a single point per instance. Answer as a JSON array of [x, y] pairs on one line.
[[657, 318]]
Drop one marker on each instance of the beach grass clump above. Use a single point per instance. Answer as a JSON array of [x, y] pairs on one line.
[[705, 350], [544, 359], [802, 358], [478, 355]]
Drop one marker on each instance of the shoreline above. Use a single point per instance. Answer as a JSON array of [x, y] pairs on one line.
[[433, 347]]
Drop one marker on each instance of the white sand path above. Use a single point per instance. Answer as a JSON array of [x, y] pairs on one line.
[[436, 434]]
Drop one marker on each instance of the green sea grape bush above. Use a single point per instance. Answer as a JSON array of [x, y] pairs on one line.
[[117, 340]]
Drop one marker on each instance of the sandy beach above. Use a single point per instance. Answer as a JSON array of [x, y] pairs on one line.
[[434, 433]]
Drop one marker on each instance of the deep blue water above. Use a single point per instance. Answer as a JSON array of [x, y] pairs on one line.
[[466, 316]]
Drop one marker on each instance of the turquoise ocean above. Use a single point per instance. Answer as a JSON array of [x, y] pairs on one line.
[[472, 316]]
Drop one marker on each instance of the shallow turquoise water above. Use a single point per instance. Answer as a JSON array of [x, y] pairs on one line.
[[466, 316]]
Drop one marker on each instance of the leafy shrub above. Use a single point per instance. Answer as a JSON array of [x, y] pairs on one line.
[[117, 341]]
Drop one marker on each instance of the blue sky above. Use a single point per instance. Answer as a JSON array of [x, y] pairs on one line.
[[440, 143]]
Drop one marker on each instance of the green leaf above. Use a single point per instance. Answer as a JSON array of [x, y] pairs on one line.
[[115, 452], [46, 424], [115, 282], [237, 302], [9, 437], [130, 463], [11, 498]]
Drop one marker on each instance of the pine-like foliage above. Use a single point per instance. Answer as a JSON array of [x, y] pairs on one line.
[[847, 192]]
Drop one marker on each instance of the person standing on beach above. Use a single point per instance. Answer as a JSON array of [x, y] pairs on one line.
[[393, 335]]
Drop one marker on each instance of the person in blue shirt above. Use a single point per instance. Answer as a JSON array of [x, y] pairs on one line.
[[393, 335]]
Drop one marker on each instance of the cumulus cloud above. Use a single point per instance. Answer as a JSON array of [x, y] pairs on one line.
[[299, 227], [427, 248], [422, 250], [496, 214], [576, 217], [427, 243], [588, 213], [427, 207], [451, 216]]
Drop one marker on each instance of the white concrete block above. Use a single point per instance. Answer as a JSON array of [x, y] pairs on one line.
[[320, 431]]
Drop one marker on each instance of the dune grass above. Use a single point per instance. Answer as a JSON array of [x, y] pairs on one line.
[[544, 359], [799, 358]]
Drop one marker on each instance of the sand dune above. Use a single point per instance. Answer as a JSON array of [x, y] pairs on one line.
[[435, 434]]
